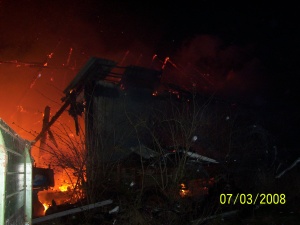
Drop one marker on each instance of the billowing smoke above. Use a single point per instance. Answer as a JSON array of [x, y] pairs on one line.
[[234, 69]]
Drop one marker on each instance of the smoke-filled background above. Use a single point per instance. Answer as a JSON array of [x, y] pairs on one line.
[[247, 51]]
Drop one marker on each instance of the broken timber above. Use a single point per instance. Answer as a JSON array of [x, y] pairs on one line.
[[71, 211], [95, 67]]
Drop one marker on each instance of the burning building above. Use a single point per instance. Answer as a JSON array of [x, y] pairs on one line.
[[128, 110]]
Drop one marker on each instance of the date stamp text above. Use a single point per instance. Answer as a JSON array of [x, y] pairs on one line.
[[252, 199]]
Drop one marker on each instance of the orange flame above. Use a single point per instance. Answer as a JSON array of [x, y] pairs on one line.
[[64, 188], [184, 191], [46, 206]]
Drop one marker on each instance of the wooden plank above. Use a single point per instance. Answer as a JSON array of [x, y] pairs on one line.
[[71, 211]]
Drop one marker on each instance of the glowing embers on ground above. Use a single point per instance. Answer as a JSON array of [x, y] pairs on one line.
[[65, 195], [196, 188], [67, 190], [184, 192]]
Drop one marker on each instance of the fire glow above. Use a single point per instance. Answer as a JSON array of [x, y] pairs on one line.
[[64, 188], [46, 206], [184, 192]]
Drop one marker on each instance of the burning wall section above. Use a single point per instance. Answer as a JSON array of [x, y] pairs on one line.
[[132, 116]]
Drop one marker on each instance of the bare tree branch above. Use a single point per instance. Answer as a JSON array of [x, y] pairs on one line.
[[289, 168]]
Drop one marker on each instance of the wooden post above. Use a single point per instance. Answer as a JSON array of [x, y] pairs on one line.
[[46, 118]]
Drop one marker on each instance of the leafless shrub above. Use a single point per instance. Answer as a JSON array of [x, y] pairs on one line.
[[70, 156]]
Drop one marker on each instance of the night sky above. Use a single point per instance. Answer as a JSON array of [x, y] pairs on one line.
[[249, 48]]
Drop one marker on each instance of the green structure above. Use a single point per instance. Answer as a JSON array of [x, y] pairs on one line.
[[15, 178]]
